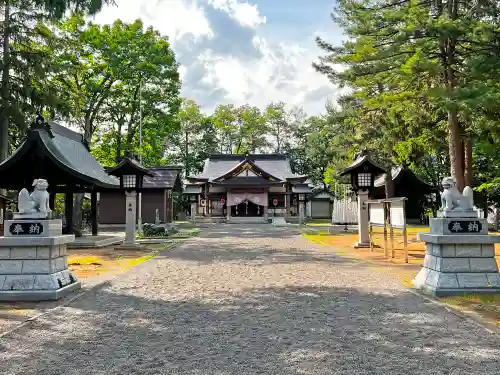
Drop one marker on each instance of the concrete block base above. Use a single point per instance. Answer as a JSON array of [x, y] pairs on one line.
[[133, 247], [34, 262], [361, 245], [38, 295], [458, 264]]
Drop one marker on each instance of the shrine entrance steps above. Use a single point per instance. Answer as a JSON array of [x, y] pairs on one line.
[[248, 220], [279, 221]]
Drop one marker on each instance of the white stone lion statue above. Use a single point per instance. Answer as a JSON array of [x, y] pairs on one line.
[[38, 201], [452, 200]]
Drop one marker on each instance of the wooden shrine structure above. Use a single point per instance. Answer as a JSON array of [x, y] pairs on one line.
[[62, 157]]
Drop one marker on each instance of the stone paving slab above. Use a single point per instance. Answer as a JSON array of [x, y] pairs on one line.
[[243, 300]]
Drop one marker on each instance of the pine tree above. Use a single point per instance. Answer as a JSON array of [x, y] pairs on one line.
[[26, 61], [406, 55]]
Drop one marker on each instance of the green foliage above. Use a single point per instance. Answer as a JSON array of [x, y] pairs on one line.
[[57, 8], [114, 74], [280, 126], [27, 64], [153, 230], [418, 73]]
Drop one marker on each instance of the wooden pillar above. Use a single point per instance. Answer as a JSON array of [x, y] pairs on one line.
[[68, 211], [172, 208], [93, 212], [207, 203], [165, 205], [287, 204], [52, 201]]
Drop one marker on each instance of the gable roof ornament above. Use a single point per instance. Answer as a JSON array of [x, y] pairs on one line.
[[246, 164], [40, 123]]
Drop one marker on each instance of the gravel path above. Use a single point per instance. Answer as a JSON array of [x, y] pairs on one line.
[[250, 301]]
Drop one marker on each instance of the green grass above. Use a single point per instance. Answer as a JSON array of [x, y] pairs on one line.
[[186, 233], [84, 260]]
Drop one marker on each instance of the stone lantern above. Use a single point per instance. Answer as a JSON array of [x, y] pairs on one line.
[[193, 191], [131, 175], [362, 173], [300, 191]]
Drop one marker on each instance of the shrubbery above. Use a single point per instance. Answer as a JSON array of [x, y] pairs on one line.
[[153, 230]]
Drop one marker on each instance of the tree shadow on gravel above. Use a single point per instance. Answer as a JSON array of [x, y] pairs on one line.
[[264, 250], [249, 234], [289, 330]]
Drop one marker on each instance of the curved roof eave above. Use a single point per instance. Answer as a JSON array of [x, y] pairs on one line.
[[196, 179], [133, 164], [57, 160], [19, 153], [358, 163]]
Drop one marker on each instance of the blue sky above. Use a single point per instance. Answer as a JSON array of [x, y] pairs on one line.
[[242, 51]]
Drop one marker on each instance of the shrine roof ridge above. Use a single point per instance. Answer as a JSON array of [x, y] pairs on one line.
[[248, 156]]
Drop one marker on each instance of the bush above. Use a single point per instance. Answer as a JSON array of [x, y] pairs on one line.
[[153, 230], [171, 230]]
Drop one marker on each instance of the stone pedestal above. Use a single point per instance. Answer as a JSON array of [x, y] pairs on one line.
[[130, 242], [459, 259], [363, 232], [34, 262], [130, 217], [301, 212], [193, 211]]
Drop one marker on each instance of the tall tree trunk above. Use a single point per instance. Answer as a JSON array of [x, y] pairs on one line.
[[278, 141], [186, 154], [454, 130], [129, 139], [119, 141], [389, 184], [79, 197], [467, 161], [455, 149], [4, 121]]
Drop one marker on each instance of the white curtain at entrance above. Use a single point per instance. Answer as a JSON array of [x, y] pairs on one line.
[[259, 199]]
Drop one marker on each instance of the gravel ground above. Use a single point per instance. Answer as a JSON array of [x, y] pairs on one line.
[[250, 301]]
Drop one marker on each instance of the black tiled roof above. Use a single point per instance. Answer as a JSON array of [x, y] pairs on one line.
[[57, 152], [218, 165], [164, 177], [68, 146]]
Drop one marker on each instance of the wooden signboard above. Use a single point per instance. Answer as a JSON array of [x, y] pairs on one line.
[[395, 208], [397, 218], [377, 215]]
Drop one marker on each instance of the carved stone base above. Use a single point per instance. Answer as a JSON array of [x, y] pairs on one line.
[[459, 225], [362, 245], [34, 266], [33, 215], [39, 295], [33, 228], [458, 264], [132, 247], [458, 213]]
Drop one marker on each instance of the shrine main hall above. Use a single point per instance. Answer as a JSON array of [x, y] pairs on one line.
[[247, 186]]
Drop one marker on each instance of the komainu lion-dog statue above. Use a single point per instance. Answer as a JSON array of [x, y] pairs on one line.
[[452, 200], [37, 202]]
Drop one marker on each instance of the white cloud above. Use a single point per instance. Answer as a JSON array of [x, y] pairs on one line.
[[182, 71], [175, 18], [246, 14], [284, 73], [225, 57]]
